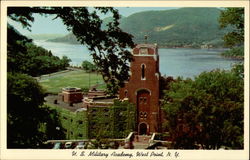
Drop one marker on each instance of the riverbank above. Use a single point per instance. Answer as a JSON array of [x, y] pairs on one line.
[[234, 53], [233, 57]]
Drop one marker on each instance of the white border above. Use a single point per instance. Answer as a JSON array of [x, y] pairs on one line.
[[66, 154]]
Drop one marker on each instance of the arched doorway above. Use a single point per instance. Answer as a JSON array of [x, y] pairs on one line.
[[143, 128]]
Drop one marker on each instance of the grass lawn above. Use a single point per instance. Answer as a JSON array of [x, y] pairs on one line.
[[76, 78]]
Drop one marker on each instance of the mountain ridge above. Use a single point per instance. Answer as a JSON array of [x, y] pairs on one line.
[[183, 27]]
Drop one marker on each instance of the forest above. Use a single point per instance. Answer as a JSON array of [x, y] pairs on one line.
[[207, 110]]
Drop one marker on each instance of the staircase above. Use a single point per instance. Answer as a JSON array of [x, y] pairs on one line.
[[141, 141]]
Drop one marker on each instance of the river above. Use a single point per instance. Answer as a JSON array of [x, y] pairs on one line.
[[173, 62]]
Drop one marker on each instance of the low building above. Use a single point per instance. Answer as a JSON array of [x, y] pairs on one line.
[[71, 95]]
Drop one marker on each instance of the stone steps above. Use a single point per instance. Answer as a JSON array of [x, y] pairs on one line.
[[138, 145], [142, 138], [141, 141]]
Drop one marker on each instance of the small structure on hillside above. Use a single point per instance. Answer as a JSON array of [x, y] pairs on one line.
[[71, 95]]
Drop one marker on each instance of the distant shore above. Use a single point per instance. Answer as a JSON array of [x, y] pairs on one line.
[[159, 45]]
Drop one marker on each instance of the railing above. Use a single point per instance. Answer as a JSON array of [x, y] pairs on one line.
[[129, 141], [154, 143], [151, 141]]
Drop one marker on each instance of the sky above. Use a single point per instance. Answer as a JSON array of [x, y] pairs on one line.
[[46, 25]]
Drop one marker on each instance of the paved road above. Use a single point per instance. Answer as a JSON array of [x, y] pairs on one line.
[[56, 74]]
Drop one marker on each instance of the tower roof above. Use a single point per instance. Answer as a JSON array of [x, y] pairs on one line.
[[145, 49], [146, 45]]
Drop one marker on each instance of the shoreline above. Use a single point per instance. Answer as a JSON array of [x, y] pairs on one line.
[[233, 57], [159, 46]]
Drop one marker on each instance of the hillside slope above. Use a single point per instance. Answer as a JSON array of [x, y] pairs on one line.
[[182, 27]]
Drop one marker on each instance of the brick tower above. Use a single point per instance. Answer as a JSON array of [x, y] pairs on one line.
[[142, 89]]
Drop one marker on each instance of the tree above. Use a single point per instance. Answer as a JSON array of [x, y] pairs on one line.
[[107, 45], [29, 124], [65, 62], [206, 111], [88, 66], [16, 50], [23, 113], [234, 18]]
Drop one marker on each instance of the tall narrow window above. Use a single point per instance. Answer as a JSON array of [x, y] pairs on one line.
[[143, 71], [126, 93]]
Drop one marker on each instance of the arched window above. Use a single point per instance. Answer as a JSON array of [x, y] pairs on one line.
[[143, 71], [126, 93]]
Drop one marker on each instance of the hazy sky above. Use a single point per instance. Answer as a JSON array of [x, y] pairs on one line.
[[46, 25]]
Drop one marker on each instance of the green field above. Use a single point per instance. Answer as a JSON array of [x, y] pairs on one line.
[[76, 78]]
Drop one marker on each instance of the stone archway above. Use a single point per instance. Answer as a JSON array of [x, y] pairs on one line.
[[143, 128]]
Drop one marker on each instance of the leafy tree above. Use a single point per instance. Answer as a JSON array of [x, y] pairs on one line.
[[206, 111], [107, 45], [88, 66], [16, 50], [26, 57], [26, 115], [233, 17], [65, 62], [236, 52]]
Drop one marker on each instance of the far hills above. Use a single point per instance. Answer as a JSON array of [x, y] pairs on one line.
[[184, 27]]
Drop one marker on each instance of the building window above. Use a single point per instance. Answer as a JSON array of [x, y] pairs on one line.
[[80, 122], [79, 135], [143, 50], [141, 100], [143, 72], [106, 114], [93, 110], [126, 94], [145, 100], [106, 110], [143, 115]]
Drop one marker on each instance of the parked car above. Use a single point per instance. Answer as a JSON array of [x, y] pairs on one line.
[[57, 145], [68, 145], [80, 145]]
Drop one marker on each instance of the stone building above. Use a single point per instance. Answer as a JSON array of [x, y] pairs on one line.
[[142, 88]]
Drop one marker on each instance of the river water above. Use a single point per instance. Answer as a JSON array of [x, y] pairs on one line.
[[173, 62]]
